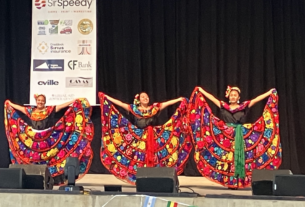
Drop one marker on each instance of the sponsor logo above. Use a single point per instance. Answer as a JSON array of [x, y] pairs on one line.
[[48, 65], [70, 3], [66, 30], [78, 65], [61, 97], [79, 82], [54, 22], [58, 48], [54, 27], [66, 23], [48, 82], [85, 26], [42, 22], [53, 48], [40, 3], [84, 47], [43, 47], [41, 30]]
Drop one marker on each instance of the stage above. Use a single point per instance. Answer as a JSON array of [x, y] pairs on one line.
[[195, 191]]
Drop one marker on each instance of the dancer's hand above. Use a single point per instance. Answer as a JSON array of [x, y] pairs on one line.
[[200, 89], [271, 90]]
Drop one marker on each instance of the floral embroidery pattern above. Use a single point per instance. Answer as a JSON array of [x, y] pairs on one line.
[[39, 115], [153, 110], [214, 142], [124, 146], [71, 136]]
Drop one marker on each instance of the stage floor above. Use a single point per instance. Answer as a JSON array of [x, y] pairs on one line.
[[210, 194], [200, 185]]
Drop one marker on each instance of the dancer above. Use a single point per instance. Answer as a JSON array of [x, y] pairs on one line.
[[138, 142], [227, 150], [47, 142]]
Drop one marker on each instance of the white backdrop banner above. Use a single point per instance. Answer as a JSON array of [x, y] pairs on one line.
[[63, 65]]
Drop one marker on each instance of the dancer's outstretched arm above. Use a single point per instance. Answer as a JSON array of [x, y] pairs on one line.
[[260, 97], [210, 96], [17, 107], [170, 102], [61, 106], [118, 102]]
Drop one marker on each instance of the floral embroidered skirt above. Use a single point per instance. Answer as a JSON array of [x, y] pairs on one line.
[[70, 136], [214, 142], [126, 147]]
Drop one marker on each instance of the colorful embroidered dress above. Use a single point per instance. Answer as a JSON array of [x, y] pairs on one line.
[[126, 147], [215, 141], [70, 136]]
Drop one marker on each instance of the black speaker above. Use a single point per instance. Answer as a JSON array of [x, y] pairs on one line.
[[33, 182], [12, 178], [115, 188], [262, 187], [157, 179], [37, 176], [262, 180], [264, 174], [289, 185]]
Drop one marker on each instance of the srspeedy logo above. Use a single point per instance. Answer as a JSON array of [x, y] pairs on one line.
[[40, 3], [48, 65], [70, 3]]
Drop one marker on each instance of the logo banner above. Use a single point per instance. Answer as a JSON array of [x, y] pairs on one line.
[[63, 65]]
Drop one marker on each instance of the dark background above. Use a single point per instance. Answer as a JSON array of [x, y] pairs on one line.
[[167, 47]]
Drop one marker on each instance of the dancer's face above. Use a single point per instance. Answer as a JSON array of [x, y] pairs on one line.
[[234, 97], [144, 99], [40, 102]]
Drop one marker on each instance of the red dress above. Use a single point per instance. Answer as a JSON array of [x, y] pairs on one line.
[[51, 145], [214, 140], [127, 146]]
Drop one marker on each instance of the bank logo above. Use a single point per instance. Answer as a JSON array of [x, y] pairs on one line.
[[79, 82], [43, 47], [79, 65], [48, 65], [48, 82], [84, 47], [40, 3]]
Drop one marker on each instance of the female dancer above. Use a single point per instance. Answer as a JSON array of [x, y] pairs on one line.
[[227, 150], [43, 142], [128, 145]]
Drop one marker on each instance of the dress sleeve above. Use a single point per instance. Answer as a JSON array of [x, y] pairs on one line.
[[224, 105], [245, 104], [155, 108], [29, 110]]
